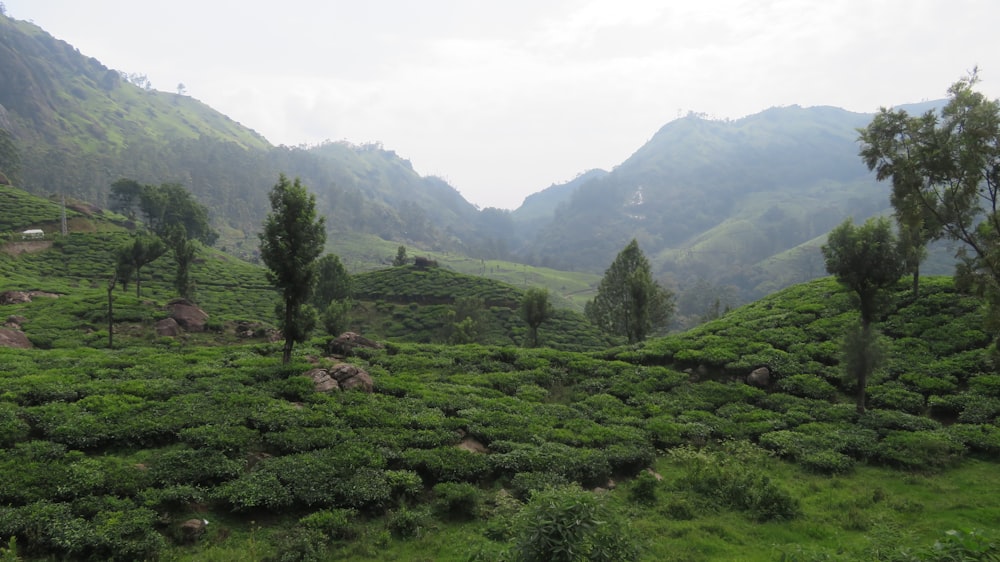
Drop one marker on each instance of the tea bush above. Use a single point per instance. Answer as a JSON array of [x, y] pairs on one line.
[[567, 524]]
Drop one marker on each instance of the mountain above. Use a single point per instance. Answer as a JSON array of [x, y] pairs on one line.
[[741, 203], [77, 126], [737, 208]]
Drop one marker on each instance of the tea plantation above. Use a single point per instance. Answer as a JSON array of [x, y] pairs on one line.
[[205, 447]]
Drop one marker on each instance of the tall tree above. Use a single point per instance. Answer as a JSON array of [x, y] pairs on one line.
[[535, 310], [132, 257], [867, 260], [292, 240], [629, 301], [333, 282], [184, 250], [945, 172], [332, 297]]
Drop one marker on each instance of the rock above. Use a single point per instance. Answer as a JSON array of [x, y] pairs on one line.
[[14, 338], [759, 377], [472, 445], [322, 381], [193, 529], [351, 376], [346, 343], [168, 327], [15, 322], [14, 297], [189, 316]]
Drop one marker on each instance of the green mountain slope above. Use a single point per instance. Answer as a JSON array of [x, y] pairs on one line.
[[715, 200], [78, 126]]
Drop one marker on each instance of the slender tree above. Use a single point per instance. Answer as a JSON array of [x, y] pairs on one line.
[[332, 297], [292, 240], [867, 260], [132, 257], [184, 250], [535, 310], [400, 258], [629, 301], [945, 173]]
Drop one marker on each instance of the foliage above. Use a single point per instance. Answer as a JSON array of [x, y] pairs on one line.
[[567, 524], [866, 259], [943, 168], [292, 239], [629, 302], [535, 310], [736, 476]]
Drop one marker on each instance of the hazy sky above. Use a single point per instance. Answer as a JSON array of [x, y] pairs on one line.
[[503, 99]]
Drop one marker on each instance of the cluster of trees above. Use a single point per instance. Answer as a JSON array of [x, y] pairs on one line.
[[944, 167], [174, 222]]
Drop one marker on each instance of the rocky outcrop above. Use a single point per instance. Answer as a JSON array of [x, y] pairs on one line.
[[187, 315], [759, 377], [192, 529], [346, 343], [15, 322], [342, 376], [14, 297], [168, 327], [13, 338]]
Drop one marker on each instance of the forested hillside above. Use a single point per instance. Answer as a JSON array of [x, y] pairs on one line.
[[730, 209]]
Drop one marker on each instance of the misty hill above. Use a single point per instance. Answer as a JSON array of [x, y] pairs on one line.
[[78, 126], [737, 203], [737, 207]]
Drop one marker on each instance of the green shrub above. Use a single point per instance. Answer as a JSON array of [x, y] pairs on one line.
[[567, 524], [405, 522], [885, 421], [457, 500], [827, 462], [986, 385], [920, 450], [644, 488], [807, 386], [894, 396], [334, 523], [735, 477], [524, 484]]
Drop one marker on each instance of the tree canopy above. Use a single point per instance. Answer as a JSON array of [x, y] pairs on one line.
[[292, 239], [535, 310], [629, 301], [868, 260], [945, 172], [163, 207]]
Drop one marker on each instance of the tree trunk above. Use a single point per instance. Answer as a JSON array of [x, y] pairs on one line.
[[865, 367], [916, 281]]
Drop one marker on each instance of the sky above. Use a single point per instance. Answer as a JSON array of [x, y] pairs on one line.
[[503, 99]]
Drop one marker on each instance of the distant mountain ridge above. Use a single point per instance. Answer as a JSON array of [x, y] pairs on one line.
[[722, 200], [738, 204]]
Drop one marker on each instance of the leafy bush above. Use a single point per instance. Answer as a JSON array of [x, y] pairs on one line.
[[735, 477], [894, 396], [524, 484], [457, 500], [827, 462], [334, 523], [567, 524], [920, 450], [644, 488], [405, 522]]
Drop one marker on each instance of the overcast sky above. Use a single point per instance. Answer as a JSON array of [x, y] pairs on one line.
[[503, 99]]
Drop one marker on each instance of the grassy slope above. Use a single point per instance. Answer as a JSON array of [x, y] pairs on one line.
[[198, 417]]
